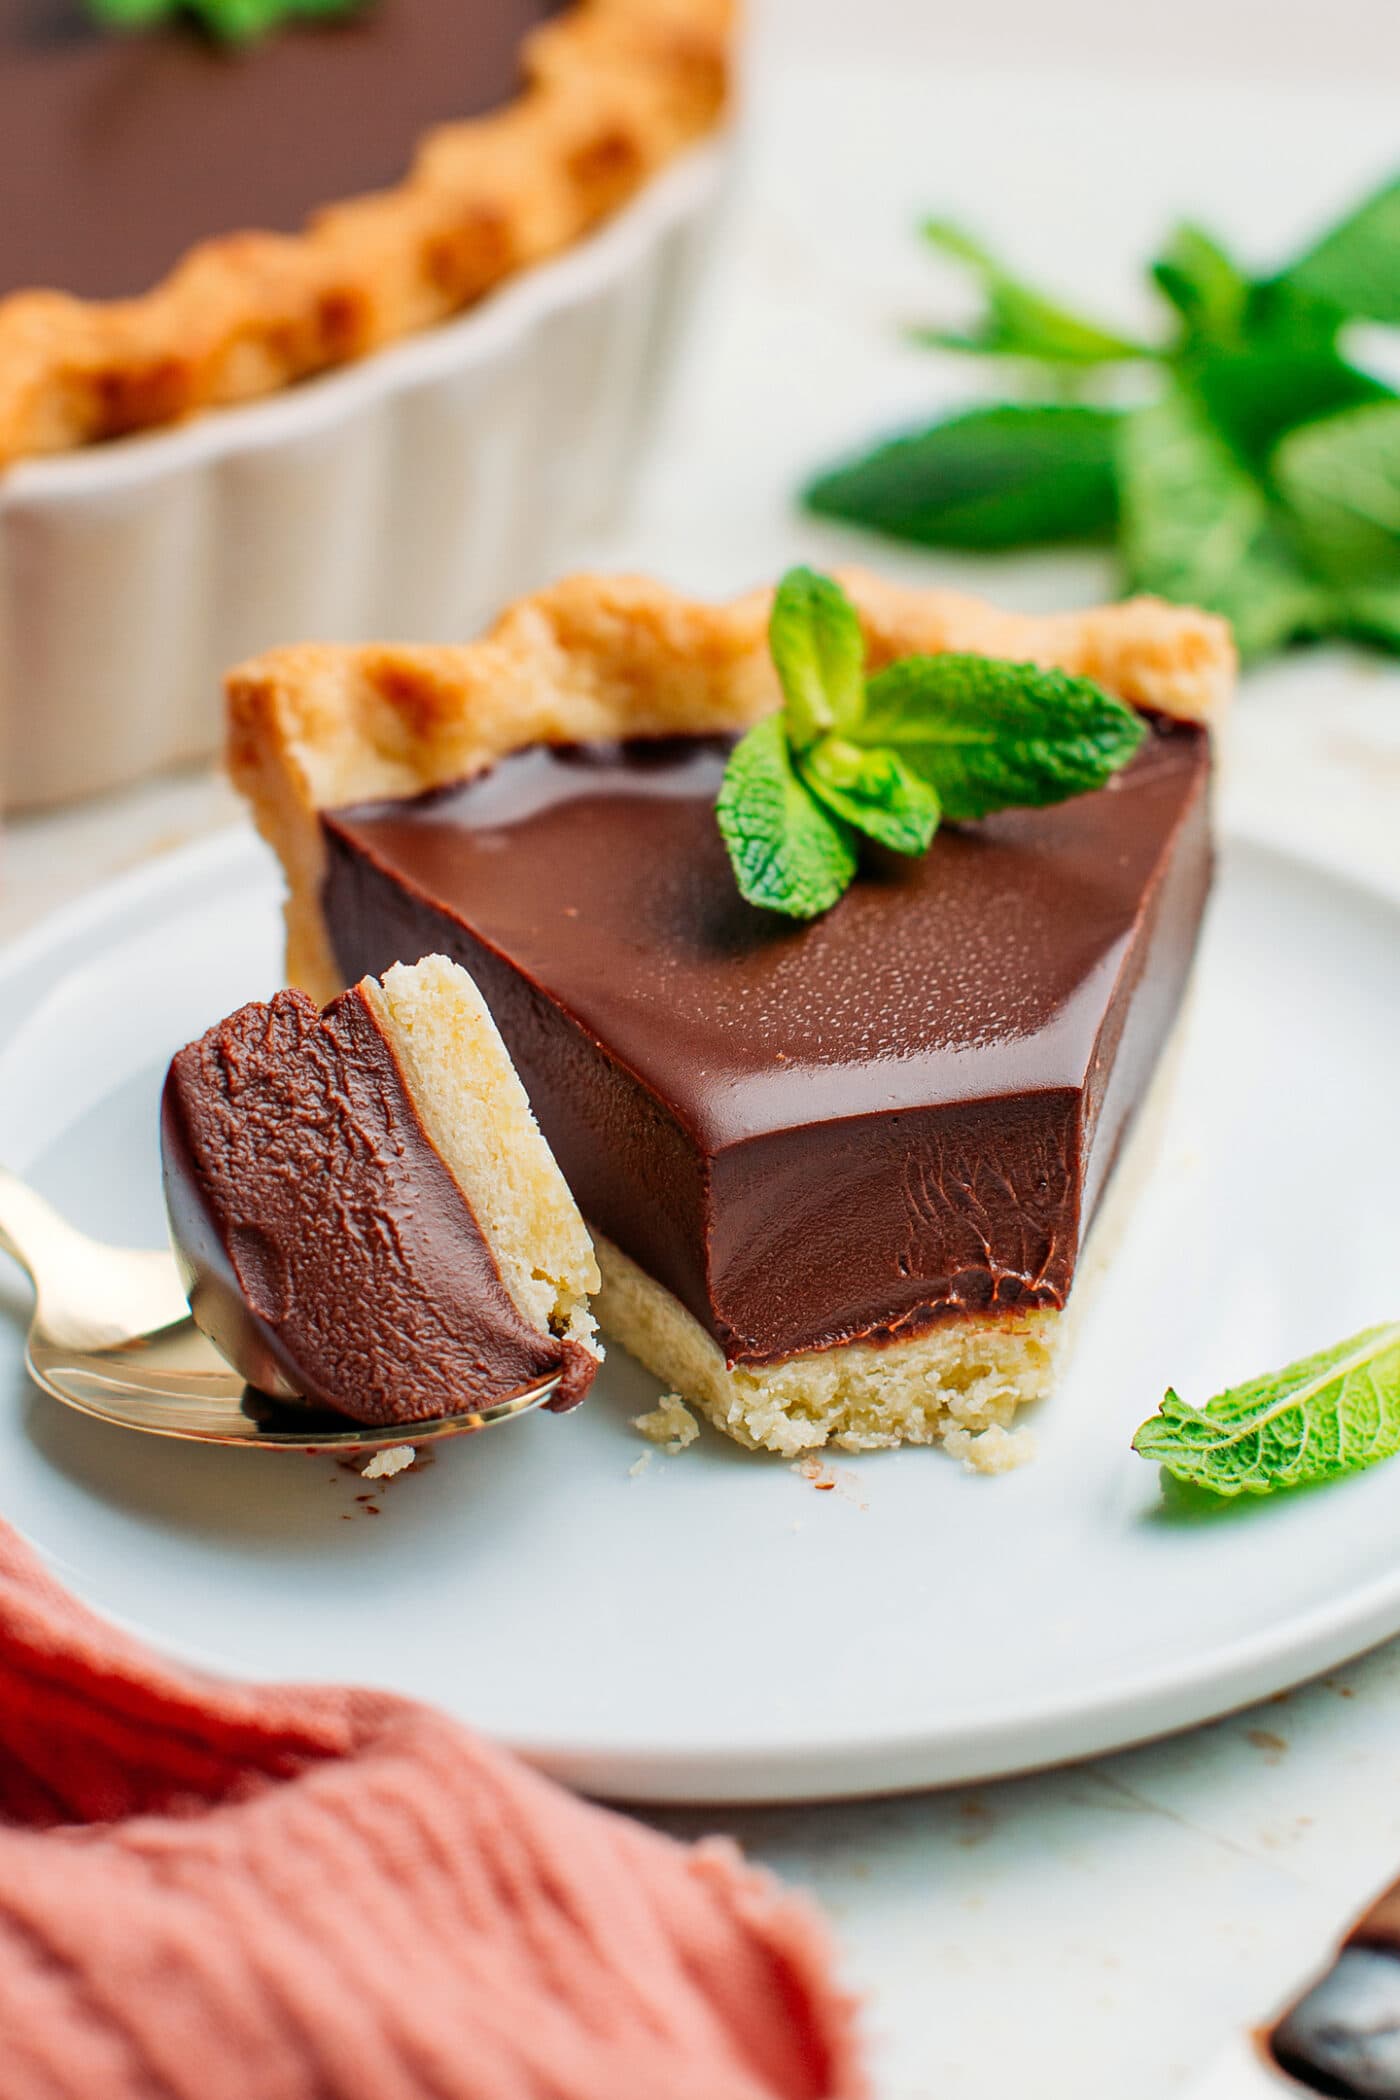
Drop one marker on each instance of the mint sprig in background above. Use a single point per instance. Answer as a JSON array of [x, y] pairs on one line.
[[1319, 1419], [230, 21], [1261, 478], [887, 758]]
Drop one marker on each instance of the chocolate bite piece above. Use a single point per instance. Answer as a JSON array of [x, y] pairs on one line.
[[364, 1210]]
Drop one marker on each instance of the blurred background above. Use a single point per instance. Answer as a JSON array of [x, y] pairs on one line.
[[1100, 1931], [1246, 39], [1071, 139]]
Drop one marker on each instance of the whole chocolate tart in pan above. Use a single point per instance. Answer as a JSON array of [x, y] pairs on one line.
[[189, 223]]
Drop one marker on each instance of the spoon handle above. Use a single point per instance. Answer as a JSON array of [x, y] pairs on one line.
[[27, 1223], [88, 1295]]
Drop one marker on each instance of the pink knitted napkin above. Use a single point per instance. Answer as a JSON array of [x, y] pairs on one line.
[[215, 1891]]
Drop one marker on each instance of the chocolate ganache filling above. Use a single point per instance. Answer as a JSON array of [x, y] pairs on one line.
[[810, 1134], [121, 151], [326, 1246]]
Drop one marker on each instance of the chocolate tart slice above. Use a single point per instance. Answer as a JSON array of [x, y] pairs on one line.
[[840, 1174], [189, 224], [363, 1208]]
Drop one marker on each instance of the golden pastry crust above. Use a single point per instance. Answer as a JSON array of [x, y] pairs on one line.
[[614, 89], [322, 726]]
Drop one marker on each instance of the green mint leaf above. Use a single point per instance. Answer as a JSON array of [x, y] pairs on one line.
[[1285, 316], [1197, 527], [929, 736], [231, 21], [989, 735], [1355, 269], [1021, 322], [1204, 284], [789, 853], [1326, 1416], [819, 651], [987, 479], [873, 789], [1341, 480], [1372, 614], [241, 21], [130, 14], [1256, 394]]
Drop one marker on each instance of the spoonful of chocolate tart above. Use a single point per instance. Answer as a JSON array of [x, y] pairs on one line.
[[364, 1213]]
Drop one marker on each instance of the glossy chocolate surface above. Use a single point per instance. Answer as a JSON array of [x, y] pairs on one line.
[[120, 152], [326, 1246], [809, 1134]]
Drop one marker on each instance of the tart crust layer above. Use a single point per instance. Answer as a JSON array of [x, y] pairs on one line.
[[614, 90]]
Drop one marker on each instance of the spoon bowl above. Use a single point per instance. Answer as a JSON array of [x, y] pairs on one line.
[[112, 1336]]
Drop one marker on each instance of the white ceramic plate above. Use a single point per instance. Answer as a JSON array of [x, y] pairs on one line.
[[715, 1626]]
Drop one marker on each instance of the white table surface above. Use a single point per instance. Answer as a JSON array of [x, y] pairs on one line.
[[1097, 1932]]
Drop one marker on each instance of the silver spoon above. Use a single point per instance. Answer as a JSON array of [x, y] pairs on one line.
[[112, 1336]]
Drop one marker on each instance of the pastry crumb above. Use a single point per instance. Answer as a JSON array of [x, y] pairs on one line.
[[816, 1473], [669, 1424], [385, 1464], [990, 1450], [639, 1465], [828, 1481]]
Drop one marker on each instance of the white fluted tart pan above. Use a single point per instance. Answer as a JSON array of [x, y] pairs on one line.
[[413, 493]]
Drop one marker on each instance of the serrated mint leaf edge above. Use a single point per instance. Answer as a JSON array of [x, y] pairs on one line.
[[796, 900], [1065, 758], [1159, 1439]]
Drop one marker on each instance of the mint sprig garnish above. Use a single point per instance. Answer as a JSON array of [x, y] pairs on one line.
[[886, 758], [1321, 1418], [1341, 478], [987, 735], [230, 21], [788, 851], [1021, 475], [1196, 526], [1352, 267], [1260, 477], [874, 789], [1019, 321]]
